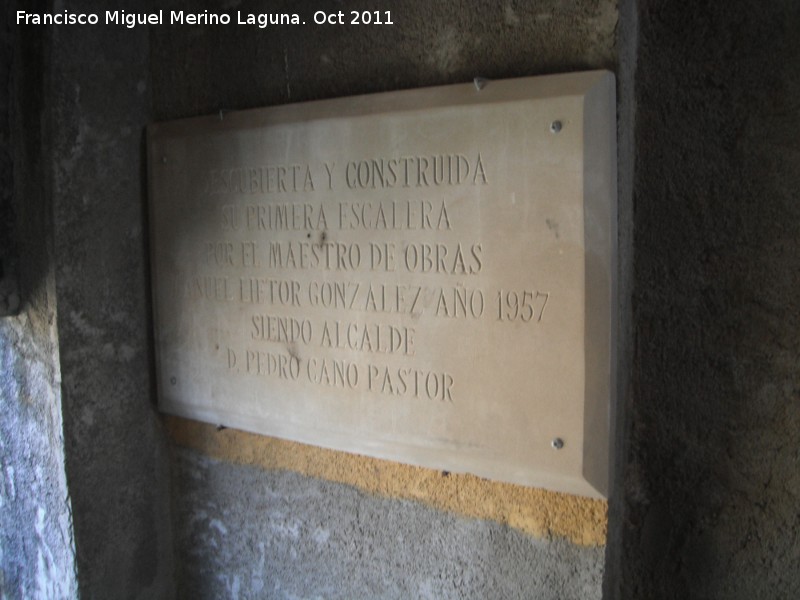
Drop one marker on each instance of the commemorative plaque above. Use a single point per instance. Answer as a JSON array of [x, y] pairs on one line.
[[425, 276]]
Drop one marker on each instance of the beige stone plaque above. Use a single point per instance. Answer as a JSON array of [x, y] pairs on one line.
[[425, 276]]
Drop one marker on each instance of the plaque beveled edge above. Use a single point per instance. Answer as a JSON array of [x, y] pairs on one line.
[[600, 204]]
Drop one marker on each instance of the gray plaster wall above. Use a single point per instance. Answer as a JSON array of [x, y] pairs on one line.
[[246, 533], [198, 71], [711, 485], [37, 551], [241, 532]]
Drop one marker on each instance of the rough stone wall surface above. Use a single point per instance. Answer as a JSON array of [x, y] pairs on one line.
[[266, 533], [117, 464], [36, 544], [712, 483]]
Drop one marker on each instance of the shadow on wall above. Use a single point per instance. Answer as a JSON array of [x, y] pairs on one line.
[[713, 483]]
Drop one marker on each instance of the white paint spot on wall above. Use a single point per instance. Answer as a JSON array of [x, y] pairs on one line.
[[233, 585], [446, 50], [284, 528], [425, 591], [51, 582], [321, 536], [82, 325], [218, 525], [257, 580], [11, 488]]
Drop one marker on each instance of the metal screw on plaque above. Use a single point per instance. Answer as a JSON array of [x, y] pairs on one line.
[[556, 126], [173, 380], [164, 159], [557, 443]]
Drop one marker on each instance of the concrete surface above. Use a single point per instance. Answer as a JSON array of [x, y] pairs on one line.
[[248, 533]]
